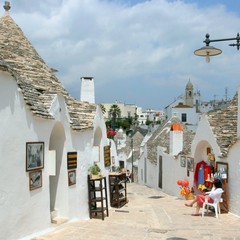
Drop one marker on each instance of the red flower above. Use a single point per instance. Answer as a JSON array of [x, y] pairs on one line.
[[111, 133]]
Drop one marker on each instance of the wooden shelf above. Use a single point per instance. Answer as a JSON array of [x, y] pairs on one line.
[[118, 189], [97, 194], [224, 203]]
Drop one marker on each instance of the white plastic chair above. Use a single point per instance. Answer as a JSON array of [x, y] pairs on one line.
[[215, 204]]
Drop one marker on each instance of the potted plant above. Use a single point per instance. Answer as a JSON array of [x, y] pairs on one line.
[[94, 171]]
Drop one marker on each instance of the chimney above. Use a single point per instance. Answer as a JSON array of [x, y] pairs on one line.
[[87, 90], [176, 139]]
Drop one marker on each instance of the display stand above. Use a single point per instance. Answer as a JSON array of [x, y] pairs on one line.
[[118, 189], [222, 170], [224, 203], [97, 192]]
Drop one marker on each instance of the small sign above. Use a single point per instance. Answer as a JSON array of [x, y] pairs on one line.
[[107, 156], [71, 160]]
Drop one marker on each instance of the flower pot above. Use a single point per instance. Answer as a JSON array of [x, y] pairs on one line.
[[95, 176], [189, 196]]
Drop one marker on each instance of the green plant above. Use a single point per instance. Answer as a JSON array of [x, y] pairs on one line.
[[94, 169]]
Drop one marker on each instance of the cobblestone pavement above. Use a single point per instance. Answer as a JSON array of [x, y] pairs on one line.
[[150, 214]]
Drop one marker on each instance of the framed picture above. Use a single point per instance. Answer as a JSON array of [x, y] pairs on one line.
[[107, 156], [34, 155], [35, 179], [183, 161], [222, 170], [71, 160], [190, 164], [71, 177]]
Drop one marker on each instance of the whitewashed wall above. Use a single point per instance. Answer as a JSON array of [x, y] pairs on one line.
[[152, 175], [203, 136], [147, 172], [19, 206], [172, 172], [233, 160], [192, 115], [142, 171]]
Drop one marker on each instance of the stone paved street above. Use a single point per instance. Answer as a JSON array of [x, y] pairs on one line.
[[150, 214]]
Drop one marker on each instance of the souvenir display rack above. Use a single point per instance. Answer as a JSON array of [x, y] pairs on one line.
[[118, 189], [98, 201]]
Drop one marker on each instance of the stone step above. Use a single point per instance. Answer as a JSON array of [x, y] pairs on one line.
[[59, 220]]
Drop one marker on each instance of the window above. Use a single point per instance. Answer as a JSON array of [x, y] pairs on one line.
[[184, 117]]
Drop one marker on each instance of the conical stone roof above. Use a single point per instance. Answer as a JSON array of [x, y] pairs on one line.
[[36, 80], [161, 137], [224, 126]]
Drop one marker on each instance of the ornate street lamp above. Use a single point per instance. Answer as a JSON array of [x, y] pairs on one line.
[[208, 51]]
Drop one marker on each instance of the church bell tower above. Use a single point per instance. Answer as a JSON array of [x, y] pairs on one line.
[[189, 94]]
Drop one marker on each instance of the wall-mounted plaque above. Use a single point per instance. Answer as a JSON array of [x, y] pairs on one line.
[[107, 156], [71, 160]]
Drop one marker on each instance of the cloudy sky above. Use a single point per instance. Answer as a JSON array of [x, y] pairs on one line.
[[139, 52]]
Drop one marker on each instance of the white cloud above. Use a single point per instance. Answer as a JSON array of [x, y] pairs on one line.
[[132, 48]]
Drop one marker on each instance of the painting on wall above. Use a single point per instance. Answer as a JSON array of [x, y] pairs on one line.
[[107, 156], [71, 160], [35, 179], [222, 170], [71, 177], [183, 161], [34, 155], [190, 164]]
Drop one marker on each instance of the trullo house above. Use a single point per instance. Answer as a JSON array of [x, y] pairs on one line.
[[47, 142]]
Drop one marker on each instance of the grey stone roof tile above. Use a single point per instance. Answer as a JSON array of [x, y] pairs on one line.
[[161, 137], [224, 126], [35, 79]]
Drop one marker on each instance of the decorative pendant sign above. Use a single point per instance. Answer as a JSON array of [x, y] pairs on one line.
[[71, 160], [107, 156]]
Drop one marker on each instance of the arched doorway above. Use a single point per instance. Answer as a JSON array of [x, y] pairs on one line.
[[96, 153], [56, 145], [204, 161], [204, 151]]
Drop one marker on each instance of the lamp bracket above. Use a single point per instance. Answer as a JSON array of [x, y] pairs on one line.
[[237, 44]]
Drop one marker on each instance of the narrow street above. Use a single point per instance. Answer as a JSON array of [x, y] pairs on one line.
[[150, 214]]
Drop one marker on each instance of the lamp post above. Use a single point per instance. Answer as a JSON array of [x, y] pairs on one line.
[[208, 51]]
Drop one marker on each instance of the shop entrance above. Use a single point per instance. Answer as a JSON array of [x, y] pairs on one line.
[[57, 197]]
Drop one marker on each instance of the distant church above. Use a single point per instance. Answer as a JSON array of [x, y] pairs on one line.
[[185, 107], [189, 94], [189, 106]]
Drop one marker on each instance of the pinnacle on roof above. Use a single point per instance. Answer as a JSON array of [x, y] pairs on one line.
[[189, 84], [7, 6], [36, 81]]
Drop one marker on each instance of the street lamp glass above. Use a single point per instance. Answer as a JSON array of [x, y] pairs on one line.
[[207, 51]]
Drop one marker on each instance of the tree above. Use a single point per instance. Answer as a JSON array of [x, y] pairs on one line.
[[115, 112], [103, 109]]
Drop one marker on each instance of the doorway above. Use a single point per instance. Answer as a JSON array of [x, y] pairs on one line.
[[56, 143], [160, 172]]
